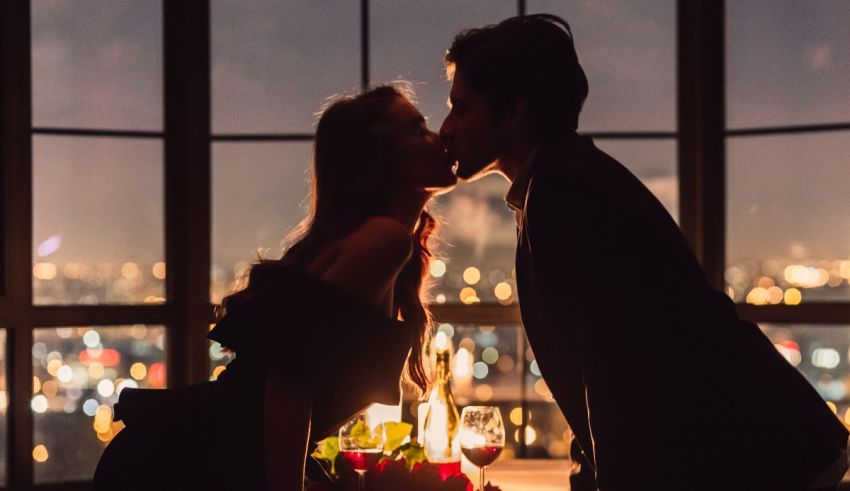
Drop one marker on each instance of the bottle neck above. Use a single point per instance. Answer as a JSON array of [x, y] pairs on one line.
[[443, 380], [444, 374]]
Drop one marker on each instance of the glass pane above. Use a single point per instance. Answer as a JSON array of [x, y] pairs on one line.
[[4, 406], [409, 40], [654, 162], [274, 62], [78, 373], [548, 435], [788, 62], [821, 354], [97, 64], [98, 232], [477, 242], [258, 194], [628, 51], [788, 218]]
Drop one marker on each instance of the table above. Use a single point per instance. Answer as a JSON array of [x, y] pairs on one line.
[[526, 474], [542, 475]]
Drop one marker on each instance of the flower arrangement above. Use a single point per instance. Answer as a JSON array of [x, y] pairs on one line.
[[402, 466]]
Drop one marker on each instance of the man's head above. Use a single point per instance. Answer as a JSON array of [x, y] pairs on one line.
[[519, 78]]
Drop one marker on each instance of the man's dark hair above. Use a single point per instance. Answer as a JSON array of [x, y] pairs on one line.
[[528, 57]]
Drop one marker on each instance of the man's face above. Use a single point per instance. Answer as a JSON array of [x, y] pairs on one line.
[[471, 133]]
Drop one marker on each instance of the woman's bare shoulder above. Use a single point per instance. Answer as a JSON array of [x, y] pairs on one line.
[[370, 257]]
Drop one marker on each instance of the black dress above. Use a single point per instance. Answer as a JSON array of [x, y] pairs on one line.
[[209, 435]]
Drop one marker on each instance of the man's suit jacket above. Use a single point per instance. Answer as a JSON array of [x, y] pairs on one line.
[[663, 385]]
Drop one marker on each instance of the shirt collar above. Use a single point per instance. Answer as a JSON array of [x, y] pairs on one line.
[[518, 189]]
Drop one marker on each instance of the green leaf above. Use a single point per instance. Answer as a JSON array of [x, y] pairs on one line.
[[413, 454], [365, 437], [396, 432], [328, 449]]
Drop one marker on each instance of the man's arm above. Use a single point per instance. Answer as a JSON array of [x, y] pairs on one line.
[[574, 242]]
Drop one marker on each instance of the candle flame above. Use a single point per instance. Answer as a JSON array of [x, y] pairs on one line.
[[462, 363], [441, 341], [378, 414]]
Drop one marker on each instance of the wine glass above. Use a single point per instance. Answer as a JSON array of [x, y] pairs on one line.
[[482, 436], [361, 445]]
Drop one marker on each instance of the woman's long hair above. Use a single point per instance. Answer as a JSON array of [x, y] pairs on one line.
[[353, 179]]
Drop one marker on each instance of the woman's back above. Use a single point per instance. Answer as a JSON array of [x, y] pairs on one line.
[[302, 328]]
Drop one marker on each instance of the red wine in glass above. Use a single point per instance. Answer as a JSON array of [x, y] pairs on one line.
[[482, 456], [362, 460]]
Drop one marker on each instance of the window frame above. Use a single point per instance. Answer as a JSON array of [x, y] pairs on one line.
[[701, 137], [185, 138]]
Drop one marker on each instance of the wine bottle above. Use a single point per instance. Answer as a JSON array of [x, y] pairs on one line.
[[442, 420]]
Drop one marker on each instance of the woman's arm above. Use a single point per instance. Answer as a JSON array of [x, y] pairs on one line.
[[286, 432]]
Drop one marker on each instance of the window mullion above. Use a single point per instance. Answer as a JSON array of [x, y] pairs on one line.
[[187, 187], [701, 122], [364, 45], [16, 126], [99, 315], [476, 314], [835, 313]]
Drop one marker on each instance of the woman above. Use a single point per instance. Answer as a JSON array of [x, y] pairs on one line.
[[318, 334]]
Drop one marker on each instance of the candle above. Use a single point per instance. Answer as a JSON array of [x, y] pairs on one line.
[[378, 414], [421, 412], [462, 374]]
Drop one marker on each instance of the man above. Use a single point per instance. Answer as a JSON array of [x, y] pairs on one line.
[[663, 385]]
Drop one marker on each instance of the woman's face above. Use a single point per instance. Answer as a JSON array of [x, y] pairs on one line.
[[422, 159]]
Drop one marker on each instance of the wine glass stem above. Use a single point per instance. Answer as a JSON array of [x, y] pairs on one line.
[[481, 478], [361, 480]]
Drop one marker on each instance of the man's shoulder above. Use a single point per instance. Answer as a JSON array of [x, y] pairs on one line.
[[574, 154], [562, 168]]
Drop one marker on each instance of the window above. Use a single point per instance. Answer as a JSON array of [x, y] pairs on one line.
[[787, 259], [787, 218], [97, 220]]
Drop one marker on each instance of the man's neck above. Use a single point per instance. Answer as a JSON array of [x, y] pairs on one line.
[[511, 161]]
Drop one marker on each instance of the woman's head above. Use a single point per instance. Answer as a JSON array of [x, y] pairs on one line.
[[370, 149]]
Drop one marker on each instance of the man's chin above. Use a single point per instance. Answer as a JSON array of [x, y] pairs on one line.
[[441, 190], [472, 172]]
